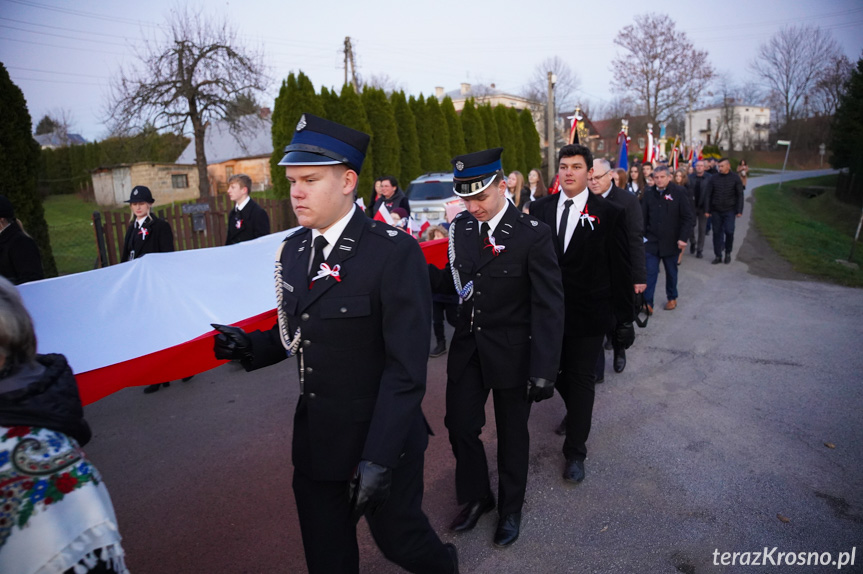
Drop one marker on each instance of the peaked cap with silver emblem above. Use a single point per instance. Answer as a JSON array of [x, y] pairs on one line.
[[140, 194], [474, 172], [318, 141]]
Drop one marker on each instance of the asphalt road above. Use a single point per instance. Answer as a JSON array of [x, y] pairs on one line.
[[714, 438]]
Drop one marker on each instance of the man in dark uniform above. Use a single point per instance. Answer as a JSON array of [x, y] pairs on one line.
[[592, 250], [247, 220], [359, 433], [506, 340]]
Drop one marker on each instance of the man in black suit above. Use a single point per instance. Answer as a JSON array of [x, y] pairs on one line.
[[247, 220], [506, 340], [359, 433], [592, 250], [600, 183], [668, 221]]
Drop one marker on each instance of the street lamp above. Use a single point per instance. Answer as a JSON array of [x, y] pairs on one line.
[[787, 150]]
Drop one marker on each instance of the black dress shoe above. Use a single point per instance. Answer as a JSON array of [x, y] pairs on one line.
[[619, 361], [453, 553], [691, 249], [561, 428], [438, 350], [599, 380], [154, 388], [469, 515], [573, 471], [716, 261], [727, 258], [699, 255], [507, 530]]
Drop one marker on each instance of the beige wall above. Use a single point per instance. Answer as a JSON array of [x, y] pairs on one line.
[[112, 186], [257, 168]]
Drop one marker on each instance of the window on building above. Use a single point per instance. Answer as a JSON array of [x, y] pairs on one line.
[[745, 119], [641, 143], [600, 146], [229, 172], [179, 180]]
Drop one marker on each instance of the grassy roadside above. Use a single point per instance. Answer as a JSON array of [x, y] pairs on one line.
[[811, 233]]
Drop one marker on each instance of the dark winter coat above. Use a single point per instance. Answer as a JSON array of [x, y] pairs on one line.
[[724, 192], [156, 237], [20, 260], [249, 223], [668, 218]]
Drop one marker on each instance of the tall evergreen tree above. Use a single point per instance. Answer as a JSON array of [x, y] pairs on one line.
[[492, 135], [418, 107], [474, 131], [330, 101], [19, 162], [453, 121], [385, 135], [514, 123], [438, 136], [510, 158], [847, 129], [298, 98], [532, 151], [353, 114], [409, 146]]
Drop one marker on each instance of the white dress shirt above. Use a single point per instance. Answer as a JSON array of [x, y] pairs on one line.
[[578, 203]]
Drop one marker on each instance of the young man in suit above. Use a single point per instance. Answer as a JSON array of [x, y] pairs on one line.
[[247, 220], [592, 251], [668, 221], [506, 340], [359, 434]]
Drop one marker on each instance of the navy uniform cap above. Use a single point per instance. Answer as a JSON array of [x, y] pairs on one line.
[[6, 209], [318, 141], [140, 194], [474, 172]]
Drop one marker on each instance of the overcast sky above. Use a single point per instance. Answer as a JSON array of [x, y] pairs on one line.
[[62, 54]]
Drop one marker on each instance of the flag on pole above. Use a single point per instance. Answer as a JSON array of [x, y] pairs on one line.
[[649, 148], [360, 204], [623, 156], [383, 214]]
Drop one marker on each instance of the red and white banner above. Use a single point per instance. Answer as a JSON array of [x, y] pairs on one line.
[[148, 321]]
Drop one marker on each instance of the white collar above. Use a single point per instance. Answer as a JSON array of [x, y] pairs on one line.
[[495, 221], [607, 191], [578, 202], [243, 203], [333, 234]]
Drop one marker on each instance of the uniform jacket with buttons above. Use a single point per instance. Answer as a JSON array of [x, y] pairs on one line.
[[596, 269], [158, 239], [364, 343], [249, 223], [513, 318]]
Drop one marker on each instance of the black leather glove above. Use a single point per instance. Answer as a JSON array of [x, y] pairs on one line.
[[369, 489], [624, 335], [231, 344], [539, 389]]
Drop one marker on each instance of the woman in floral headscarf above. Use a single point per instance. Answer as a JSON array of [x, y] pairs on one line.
[[56, 515]]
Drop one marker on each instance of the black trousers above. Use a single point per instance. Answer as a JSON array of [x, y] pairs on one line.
[[465, 417], [723, 231], [400, 528], [599, 373], [576, 383], [439, 309]]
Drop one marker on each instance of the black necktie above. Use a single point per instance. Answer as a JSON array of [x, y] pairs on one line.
[[561, 231], [483, 235], [320, 243]]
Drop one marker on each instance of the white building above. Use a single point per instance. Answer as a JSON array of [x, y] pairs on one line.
[[747, 126], [491, 95]]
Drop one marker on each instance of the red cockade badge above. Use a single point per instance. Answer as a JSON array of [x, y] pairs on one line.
[[143, 232], [495, 248], [585, 216], [326, 271], [668, 197], [239, 224]]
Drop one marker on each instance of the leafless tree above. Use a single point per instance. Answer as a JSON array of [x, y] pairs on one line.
[[831, 85], [565, 89], [660, 68], [381, 81], [194, 74], [791, 63]]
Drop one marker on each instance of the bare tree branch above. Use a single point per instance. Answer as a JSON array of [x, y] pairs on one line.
[[191, 76], [660, 69]]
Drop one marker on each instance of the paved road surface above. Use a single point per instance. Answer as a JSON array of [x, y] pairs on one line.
[[717, 427]]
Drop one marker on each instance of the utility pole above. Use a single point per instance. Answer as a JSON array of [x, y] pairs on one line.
[[549, 115], [349, 59]]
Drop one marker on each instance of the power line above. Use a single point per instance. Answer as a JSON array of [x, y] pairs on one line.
[[60, 47], [54, 72], [55, 35]]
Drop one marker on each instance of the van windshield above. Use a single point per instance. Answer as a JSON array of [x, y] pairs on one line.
[[430, 190]]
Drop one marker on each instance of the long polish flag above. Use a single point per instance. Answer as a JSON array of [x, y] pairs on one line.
[[148, 321]]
